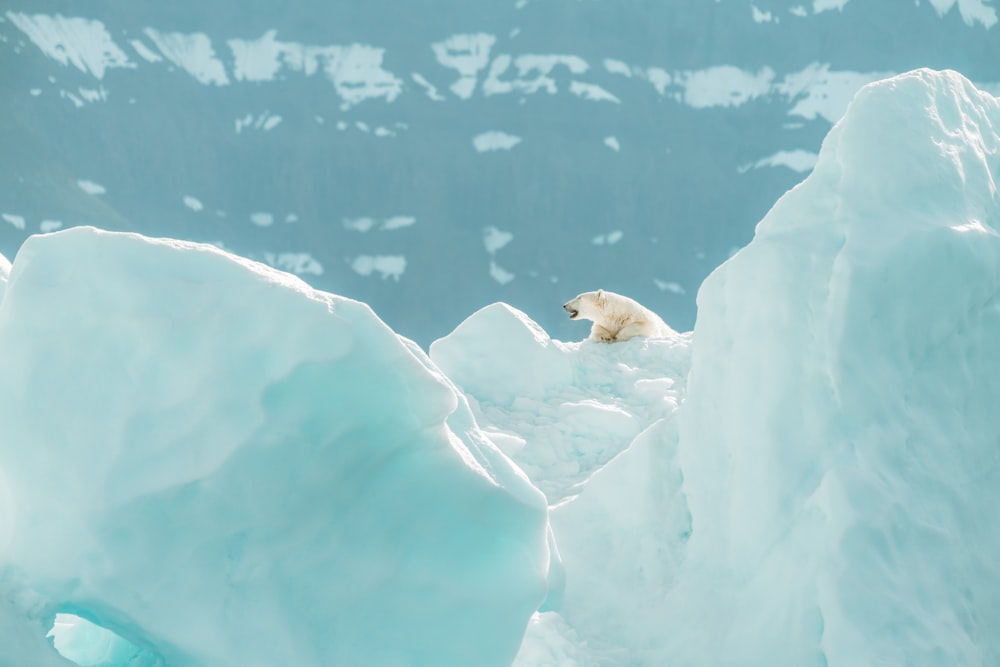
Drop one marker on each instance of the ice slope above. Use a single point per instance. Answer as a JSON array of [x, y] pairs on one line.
[[839, 442], [226, 467]]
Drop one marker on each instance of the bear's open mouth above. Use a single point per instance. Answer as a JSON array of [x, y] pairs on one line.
[[572, 313]]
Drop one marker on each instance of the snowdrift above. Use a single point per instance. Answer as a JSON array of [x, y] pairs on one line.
[[226, 467]]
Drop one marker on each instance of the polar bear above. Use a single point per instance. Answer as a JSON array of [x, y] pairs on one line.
[[616, 317]]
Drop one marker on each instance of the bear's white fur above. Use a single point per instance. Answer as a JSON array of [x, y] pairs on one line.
[[616, 317]]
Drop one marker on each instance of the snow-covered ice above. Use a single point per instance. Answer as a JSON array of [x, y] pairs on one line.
[[226, 467], [223, 466]]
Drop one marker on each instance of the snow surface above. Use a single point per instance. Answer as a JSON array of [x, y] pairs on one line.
[[193, 54], [83, 43], [254, 472]]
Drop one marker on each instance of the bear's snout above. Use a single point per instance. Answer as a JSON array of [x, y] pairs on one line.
[[573, 312]]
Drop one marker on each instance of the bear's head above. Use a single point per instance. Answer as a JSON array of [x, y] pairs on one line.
[[586, 306]]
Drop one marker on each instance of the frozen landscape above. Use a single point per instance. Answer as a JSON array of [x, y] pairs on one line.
[[378, 149], [206, 461]]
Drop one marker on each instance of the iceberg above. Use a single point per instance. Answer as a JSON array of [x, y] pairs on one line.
[[839, 441], [205, 461], [223, 466]]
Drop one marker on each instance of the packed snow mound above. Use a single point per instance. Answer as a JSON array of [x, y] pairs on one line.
[[840, 442], [226, 467]]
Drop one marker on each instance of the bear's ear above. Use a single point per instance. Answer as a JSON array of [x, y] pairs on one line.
[[600, 297]]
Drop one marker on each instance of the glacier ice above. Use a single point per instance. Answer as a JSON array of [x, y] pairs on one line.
[[839, 442], [824, 493], [224, 466], [23, 628], [90, 645]]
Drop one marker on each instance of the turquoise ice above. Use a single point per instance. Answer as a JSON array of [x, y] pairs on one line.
[[222, 466]]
